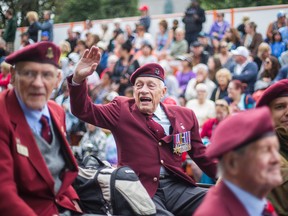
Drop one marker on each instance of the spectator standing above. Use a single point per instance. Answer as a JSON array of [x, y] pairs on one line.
[[10, 30], [249, 164], [156, 172], [47, 24], [219, 27], [32, 132], [34, 25], [193, 20], [145, 19]]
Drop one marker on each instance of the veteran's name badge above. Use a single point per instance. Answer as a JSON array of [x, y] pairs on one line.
[[181, 142], [21, 149]]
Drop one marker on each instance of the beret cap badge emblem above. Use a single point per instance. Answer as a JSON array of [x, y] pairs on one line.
[[49, 53], [157, 72]]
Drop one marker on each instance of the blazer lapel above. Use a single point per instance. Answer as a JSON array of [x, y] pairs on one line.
[[25, 137]]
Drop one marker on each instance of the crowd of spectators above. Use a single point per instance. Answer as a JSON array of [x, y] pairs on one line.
[[229, 64]]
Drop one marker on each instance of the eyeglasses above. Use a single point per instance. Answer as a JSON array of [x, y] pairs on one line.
[[32, 75]]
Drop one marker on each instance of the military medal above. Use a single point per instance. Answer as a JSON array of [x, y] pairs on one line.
[[181, 142]]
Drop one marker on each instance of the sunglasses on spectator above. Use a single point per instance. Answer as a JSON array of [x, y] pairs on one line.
[[267, 62], [221, 105]]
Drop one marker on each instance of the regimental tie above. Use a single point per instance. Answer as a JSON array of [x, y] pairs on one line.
[[269, 210], [45, 131], [156, 128]]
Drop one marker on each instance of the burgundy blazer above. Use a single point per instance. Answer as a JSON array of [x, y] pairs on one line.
[[220, 200], [27, 187], [137, 145]]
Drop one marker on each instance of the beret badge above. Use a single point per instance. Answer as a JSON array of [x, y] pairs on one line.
[[157, 72], [49, 54]]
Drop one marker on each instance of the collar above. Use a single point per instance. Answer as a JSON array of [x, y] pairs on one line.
[[252, 204], [159, 112]]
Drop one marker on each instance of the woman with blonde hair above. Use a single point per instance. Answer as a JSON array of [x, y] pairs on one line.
[[223, 77], [34, 25]]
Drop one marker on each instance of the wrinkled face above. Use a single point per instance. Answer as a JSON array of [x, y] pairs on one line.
[[148, 92], [258, 167], [279, 110], [34, 82]]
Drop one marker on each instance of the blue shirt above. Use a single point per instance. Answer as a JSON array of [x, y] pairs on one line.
[[253, 205], [33, 116]]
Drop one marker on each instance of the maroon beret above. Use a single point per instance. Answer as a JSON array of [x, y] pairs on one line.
[[148, 70], [240, 129], [278, 89], [42, 52]]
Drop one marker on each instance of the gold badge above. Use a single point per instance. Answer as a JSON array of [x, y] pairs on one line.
[[49, 53]]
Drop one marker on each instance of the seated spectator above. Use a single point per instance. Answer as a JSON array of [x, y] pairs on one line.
[[179, 46], [104, 57], [232, 37], [283, 59], [219, 27], [198, 53], [222, 111], [175, 25], [277, 45], [276, 25], [241, 26], [282, 74], [142, 37], [244, 70], [223, 77], [201, 71], [111, 61], [129, 34], [201, 106], [252, 39], [25, 40], [147, 55], [214, 64], [225, 56], [205, 40], [5, 75], [264, 51], [237, 98], [44, 36], [99, 92], [271, 70], [185, 74]]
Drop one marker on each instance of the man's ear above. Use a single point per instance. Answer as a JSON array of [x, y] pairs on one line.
[[13, 73], [59, 78]]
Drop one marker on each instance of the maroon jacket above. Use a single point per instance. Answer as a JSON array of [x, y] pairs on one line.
[[137, 146], [27, 187], [221, 201]]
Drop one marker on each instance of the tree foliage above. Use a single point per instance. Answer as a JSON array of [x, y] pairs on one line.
[[77, 10]]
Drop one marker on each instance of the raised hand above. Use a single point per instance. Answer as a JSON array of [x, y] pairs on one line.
[[87, 64]]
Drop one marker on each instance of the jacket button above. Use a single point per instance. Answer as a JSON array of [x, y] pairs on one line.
[[155, 179], [161, 161], [160, 144], [56, 200]]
